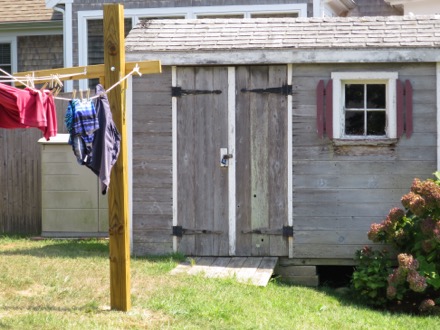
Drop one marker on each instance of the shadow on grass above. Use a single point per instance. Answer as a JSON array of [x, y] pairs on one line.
[[90, 248], [78, 248]]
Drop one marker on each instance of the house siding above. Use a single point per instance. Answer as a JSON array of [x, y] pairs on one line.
[[40, 52], [374, 8]]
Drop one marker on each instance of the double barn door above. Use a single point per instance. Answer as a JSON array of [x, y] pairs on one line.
[[231, 161]]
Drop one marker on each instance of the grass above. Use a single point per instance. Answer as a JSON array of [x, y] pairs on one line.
[[60, 284]]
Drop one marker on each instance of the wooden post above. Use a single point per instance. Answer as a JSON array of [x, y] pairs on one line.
[[114, 70]]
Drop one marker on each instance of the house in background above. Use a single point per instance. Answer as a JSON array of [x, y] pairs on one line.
[[31, 36], [417, 7]]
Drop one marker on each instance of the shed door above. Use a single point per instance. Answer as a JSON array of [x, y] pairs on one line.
[[202, 185], [261, 160]]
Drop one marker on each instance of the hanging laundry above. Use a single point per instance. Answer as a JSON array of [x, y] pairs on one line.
[[106, 143], [24, 108], [81, 122]]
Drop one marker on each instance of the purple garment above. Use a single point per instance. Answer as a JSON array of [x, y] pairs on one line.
[[106, 142]]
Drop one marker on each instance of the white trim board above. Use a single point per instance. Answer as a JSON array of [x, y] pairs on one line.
[[231, 168], [13, 41]]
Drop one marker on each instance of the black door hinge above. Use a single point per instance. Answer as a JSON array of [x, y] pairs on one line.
[[288, 231], [283, 90], [177, 231], [178, 91]]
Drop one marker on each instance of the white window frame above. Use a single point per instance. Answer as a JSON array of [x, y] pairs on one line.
[[188, 12], [342, 78], [13, 42]]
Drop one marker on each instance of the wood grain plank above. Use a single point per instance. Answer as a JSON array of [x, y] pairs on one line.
[[264, 271], [277, 158], [243, 164], [248, 269], [259, 135], [185, 153]]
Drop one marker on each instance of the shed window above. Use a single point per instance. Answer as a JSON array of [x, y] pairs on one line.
[[365, 109], [364, 105]]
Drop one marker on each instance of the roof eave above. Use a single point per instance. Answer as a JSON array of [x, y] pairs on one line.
[[296, 56]]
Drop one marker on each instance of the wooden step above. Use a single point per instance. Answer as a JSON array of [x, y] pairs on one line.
[[251, 270]]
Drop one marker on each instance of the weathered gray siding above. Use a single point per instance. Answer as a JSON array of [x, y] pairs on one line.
[[40, 52], [152, 164], [20, 178], [339, 191], [20, 173], [374, 8]]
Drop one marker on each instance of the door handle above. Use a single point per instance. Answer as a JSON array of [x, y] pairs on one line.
[[224, 157]]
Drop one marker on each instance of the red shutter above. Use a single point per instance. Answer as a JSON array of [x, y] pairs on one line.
[[399, 105], [329, 109], [409, 108], [320, 109]]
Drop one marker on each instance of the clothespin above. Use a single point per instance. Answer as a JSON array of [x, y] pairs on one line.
[[44, 86], [88, 94], [81, 94], [74, 94]]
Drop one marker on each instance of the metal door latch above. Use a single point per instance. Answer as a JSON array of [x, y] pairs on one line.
[[224, 157]]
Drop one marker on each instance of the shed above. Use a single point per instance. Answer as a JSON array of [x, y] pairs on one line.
[[280, 137]]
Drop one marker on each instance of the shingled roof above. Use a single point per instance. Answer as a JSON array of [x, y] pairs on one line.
[[278, 33], [287, 40], [21, 11]]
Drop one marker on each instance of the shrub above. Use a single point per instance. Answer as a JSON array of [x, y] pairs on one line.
[[414, 233], [369, 279]]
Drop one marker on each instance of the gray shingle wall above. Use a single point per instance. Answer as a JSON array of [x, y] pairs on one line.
[[305, 33], [374, 8], [40, 52]]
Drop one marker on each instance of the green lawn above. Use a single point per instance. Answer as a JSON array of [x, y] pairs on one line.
[[58, 284]]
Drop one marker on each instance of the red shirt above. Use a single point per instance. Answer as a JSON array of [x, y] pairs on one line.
[[23, 108]]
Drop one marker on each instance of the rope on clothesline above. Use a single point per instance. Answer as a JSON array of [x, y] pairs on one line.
[[135, 70], [14, 78], [19, 79], [42, 78]]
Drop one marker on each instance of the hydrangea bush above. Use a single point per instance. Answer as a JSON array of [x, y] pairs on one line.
[[414, 234]]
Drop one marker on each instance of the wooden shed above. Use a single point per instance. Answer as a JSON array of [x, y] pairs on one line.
[[280, 137]]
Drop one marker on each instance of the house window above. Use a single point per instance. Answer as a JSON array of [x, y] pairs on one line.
[[364, 105], [5, 57]]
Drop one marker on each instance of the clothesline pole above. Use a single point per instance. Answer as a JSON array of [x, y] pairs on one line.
[[114, 70]]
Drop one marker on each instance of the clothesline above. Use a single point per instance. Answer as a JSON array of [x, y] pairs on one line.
[[135, 70], [19, 79], [32, 78]]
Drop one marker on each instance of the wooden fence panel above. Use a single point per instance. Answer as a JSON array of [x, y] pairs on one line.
[[20, 177]]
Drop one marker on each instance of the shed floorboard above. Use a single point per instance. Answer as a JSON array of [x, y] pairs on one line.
[[251, 270]]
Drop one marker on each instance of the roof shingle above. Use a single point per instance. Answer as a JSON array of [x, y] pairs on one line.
[[285, 33], [26, 11]]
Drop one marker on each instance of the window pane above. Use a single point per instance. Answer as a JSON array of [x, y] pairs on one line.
[[5, 54], [376, 122], [376, 96], [354, 96], [354, 122], [221, 16], [279, 15]]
